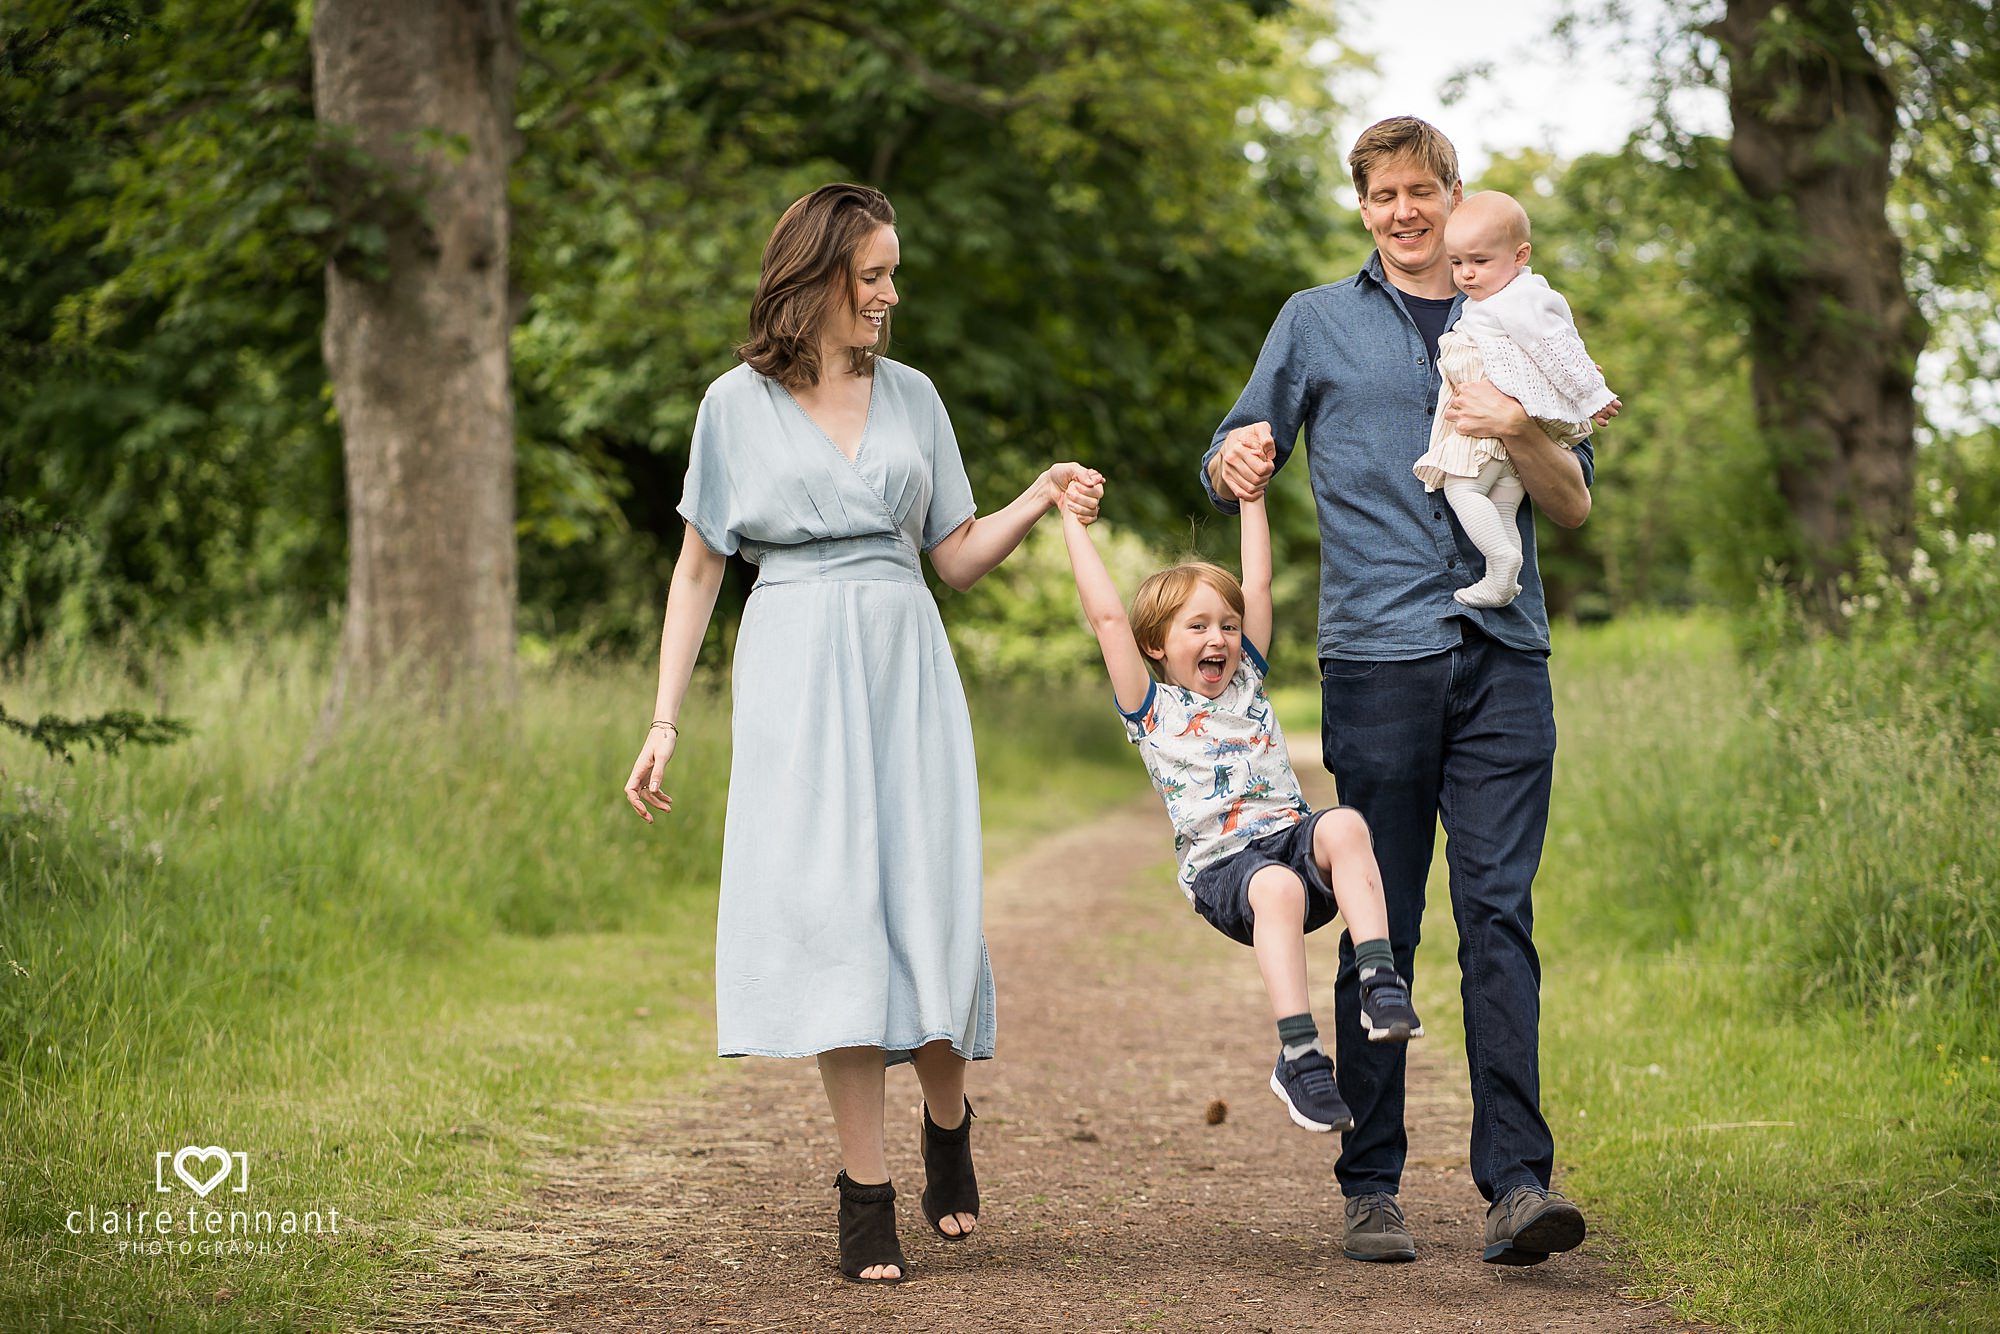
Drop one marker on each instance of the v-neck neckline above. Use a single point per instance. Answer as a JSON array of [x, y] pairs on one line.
[[860, 442]]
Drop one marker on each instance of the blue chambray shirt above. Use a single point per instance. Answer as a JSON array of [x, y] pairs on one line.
[[1346, 363]]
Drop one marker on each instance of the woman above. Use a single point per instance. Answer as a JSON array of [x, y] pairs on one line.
[[848, 927]]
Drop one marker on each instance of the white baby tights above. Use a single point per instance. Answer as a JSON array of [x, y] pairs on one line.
[[1485, 506]]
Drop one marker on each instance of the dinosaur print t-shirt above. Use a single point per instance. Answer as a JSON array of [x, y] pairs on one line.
[[1220, 765]]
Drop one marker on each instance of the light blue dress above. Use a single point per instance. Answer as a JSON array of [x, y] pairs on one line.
[[851, 883]]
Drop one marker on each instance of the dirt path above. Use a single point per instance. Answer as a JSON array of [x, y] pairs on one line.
[[1110, 1202]]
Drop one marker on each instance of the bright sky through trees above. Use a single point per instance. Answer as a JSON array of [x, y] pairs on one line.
[[1533, 97], [1525, 93]]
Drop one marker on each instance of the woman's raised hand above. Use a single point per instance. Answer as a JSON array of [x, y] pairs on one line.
[[642, 789], [1085, 484], [1081, 501]]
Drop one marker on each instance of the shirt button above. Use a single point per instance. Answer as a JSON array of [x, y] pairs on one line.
[[1451, 564], [1437, 514]]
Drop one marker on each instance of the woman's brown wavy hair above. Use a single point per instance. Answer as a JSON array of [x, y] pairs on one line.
[[808, 271]]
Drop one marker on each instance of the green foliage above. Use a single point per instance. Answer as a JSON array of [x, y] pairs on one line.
[[1891, 724], [107, 732], [1926, 640], [1833, 834], [161, 392], [1943, 59], [1071, 280]]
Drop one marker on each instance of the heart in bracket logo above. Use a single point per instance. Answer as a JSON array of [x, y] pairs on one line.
[[195, 1153]]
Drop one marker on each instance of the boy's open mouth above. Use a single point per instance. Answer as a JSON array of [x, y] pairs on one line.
[[1211, 668]]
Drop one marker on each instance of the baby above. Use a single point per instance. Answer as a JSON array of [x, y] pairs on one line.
[[1516, 331]]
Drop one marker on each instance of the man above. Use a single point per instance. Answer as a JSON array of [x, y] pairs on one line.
[[1432, 710]]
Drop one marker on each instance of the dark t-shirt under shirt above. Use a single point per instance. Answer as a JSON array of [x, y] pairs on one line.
[[1430, 313]]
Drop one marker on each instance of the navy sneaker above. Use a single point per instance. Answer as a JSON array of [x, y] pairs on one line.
[[1307, 1089], [1386, 1012]]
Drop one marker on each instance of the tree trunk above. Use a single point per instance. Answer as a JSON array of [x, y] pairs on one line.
[[1834, 335], [416, 342]]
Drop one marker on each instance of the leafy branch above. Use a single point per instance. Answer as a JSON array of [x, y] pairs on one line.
[[106, 732]]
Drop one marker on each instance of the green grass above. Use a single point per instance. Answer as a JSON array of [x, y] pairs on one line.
[[392, 972], [1768, 1053], [399, 970]]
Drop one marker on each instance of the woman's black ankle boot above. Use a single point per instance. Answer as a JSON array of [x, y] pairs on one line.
[[950, 1187], [868, 1231]]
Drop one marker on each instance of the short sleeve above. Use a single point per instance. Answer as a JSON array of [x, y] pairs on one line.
[[1162, 709], [1251, 669], [707, 496], [951, 491], [1586, 458]]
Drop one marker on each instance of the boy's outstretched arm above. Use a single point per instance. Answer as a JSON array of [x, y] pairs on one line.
[[1257, 614], [1130, 681]]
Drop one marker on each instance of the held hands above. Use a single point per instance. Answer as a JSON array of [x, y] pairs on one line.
[[642, 789], [1248, 458], [1076, 489], [1079, 503]]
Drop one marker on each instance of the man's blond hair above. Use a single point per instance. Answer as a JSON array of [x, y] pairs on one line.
[[1402, 136]]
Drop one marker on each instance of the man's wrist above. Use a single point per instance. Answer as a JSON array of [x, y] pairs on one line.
[[1217, 482]]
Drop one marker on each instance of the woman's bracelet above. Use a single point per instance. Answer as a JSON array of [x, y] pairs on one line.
[[666, 723]]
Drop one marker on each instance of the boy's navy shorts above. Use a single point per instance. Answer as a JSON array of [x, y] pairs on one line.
[[1222, 891]]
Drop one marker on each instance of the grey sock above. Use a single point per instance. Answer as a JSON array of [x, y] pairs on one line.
[[1299, 1034], [1372, 954]]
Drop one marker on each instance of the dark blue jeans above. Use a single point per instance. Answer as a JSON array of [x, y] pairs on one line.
[[1467, 736]]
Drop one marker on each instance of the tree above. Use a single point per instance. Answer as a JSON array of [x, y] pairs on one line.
[[1865, 137], [1104, 204], [417, 345], [1834, 336]]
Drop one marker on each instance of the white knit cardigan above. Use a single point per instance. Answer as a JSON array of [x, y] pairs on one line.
[[1532, 351]]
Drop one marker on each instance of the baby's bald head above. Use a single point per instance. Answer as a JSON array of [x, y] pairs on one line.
[[1494, 214]]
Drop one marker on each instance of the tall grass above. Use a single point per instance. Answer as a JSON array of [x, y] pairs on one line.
[[1770, 1049], [388, 970]]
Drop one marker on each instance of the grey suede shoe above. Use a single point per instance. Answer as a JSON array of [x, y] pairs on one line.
[[1375, 1230], [1525, 1225]]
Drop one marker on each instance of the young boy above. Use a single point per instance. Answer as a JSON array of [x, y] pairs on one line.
[[1256, 861]]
